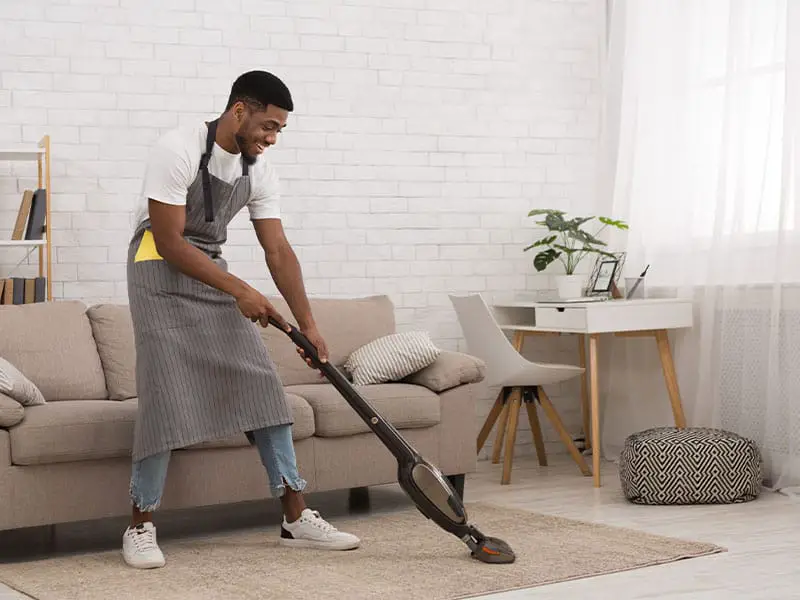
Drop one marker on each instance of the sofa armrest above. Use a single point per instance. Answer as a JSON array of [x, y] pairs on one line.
[[11, 412], [450, 370]]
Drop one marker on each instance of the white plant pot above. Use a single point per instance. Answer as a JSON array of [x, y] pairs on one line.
[[569, 286]]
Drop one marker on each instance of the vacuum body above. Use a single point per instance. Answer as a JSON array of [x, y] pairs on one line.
[[423, 482]]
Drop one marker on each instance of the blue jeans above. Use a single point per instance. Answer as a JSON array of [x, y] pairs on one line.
[[275, 447]]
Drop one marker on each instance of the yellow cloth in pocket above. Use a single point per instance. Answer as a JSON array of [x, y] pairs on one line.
[[147, 248]]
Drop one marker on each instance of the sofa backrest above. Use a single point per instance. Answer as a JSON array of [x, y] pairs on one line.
[[345, 324], [75, 352], [53, 345]]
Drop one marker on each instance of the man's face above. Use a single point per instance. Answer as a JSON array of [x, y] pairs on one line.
[[259, 130]]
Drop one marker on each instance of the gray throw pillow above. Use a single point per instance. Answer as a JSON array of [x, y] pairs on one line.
[[18, 387]]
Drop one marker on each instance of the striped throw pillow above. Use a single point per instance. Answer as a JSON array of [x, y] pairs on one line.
[[18, 387], [391, 357]]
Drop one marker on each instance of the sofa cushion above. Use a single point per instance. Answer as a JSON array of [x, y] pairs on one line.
[[391, 357], [11, 411], [72, 430], [450, 369], [113, 333], [14, 384], [345, 324], [405, 406], [303, 427], [52, 343], [89, 430]]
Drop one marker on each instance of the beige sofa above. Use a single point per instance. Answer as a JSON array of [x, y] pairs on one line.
[[69, 459]]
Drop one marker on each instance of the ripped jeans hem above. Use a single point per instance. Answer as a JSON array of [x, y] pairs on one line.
[[298, 485], [140, 503]]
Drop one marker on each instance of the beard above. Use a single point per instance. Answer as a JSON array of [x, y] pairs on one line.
[[243, 144]]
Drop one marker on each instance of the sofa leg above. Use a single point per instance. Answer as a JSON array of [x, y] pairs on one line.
[[457, 481], [358, 500]]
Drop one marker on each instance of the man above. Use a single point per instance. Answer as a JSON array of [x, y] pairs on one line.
[[202, 370]]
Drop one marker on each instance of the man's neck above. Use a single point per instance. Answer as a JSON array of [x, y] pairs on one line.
[[226, 133]]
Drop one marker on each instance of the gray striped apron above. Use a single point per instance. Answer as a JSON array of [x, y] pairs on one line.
[[202, 369]]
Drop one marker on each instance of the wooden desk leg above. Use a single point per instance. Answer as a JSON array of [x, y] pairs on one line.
[[585, 410], [595, 397], [670, 378]]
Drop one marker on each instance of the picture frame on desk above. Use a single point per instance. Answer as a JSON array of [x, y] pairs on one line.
[[605, 275]]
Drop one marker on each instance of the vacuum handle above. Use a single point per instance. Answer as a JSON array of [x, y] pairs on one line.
[[300, 340]]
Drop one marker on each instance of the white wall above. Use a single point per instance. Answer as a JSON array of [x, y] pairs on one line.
[[424, 131]]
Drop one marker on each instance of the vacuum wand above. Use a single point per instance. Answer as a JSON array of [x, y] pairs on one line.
[[423, 482]]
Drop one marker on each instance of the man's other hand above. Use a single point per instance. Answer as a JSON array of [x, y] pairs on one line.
[[316, 340], [255, 306]]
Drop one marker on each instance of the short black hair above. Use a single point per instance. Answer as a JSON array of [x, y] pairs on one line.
[[258, 89]]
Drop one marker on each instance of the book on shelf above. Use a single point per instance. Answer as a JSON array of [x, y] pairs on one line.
[[22, 290], [30, 223]]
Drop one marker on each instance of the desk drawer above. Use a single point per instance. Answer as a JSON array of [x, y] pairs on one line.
[[567, 318]]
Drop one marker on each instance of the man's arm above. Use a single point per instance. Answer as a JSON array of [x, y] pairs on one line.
[[285, 269], [167, 222]]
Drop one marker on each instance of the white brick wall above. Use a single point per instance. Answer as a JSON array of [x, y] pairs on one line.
[[424, 131]]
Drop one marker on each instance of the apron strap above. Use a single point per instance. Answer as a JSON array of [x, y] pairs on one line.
[[204, 160]]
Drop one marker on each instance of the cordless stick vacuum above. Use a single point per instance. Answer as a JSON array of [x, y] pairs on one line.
[[424, 483]]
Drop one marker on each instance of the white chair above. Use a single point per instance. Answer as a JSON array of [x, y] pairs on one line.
[[520, 381]]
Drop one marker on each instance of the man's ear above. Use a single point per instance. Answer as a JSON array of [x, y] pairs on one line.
[[238, 111]]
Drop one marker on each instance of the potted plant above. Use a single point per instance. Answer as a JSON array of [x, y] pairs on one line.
[[568, 243]]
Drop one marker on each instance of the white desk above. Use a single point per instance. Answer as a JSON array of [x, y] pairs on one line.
[[650, 317]]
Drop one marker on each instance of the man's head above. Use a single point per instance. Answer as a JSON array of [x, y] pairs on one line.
[[259, 104]]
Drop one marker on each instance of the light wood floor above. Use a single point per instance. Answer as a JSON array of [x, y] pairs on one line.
[[762, 537]]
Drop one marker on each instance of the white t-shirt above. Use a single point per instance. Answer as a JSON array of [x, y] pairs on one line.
[[174, 162]]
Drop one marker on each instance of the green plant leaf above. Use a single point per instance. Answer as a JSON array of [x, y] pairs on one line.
[[586, 238], [542, 242], [544, 258], [555, 222], [613, 222], [598, 251], [567, 251], [578, 221], [545, 211]]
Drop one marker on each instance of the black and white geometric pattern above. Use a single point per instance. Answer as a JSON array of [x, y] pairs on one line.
[[696, 465]]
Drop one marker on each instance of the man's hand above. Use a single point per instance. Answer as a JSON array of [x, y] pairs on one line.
[[316, 340], [257, 308]]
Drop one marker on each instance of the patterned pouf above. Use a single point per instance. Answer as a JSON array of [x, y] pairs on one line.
[[695, 465]]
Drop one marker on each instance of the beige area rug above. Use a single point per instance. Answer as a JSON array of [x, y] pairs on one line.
[[403, 555]]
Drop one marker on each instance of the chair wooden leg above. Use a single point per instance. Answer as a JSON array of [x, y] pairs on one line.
[[514, 405], [491, 419], [552, 414], [502, 424], [536, 430]]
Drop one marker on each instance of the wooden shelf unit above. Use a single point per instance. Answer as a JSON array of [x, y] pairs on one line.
[[41, 154]]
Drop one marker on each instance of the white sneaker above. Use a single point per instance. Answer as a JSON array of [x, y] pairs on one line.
[[140, 549], [312, 531]]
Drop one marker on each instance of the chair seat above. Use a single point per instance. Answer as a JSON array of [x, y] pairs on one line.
[[532, 374]]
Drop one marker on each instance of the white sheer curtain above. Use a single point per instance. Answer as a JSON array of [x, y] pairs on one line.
[[699, 154]]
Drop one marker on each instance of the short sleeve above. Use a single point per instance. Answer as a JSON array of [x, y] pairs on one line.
[[265, 200], [168, 173]]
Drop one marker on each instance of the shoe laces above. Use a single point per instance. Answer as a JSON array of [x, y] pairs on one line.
[[317, 521], [144, 539]]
